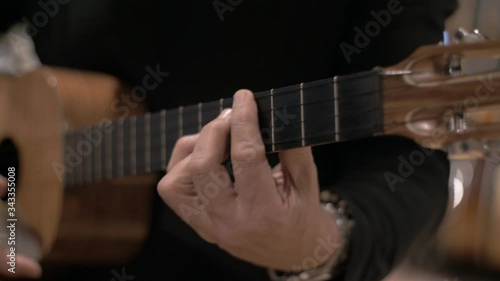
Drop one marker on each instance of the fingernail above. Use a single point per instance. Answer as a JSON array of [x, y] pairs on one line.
[[225, 113], [240, 97]]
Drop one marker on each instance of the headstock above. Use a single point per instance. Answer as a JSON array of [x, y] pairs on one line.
[[447, 96]]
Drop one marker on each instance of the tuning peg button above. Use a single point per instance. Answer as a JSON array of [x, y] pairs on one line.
[[464, 36], [481, 35]]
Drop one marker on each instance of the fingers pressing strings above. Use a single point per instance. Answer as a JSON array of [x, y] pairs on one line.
[[298, 164], [210, 178], [248, 156], [199, 183], [182, 149]]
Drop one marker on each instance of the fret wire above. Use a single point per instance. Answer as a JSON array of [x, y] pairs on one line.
[[323, 134], [120, 156], [330, 133], [290, 91], [293, 88], [163, 140], [164, 112], [336, 109], [109, 159], [133, 149], [262, 94], [335, 115], [274, 93], [302, 131], [147, 157], [311, 103], [321, 82], [181, 121], [333, 131], [272, 120], [199, 116]]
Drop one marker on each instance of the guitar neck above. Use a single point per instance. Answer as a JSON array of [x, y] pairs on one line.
[[307, 114]]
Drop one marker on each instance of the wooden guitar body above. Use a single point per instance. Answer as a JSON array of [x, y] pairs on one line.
[[103, 222]]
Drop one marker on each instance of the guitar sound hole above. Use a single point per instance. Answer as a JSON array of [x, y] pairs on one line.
[[8, 159]]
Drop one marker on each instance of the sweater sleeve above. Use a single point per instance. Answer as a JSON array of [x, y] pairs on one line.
[[396, 191]]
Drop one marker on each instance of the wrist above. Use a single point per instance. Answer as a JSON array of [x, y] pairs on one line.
[[332, 239], [324, 238]]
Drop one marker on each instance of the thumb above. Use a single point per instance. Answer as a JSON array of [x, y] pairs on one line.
[[28, 267], [25, 267], [298, 165]]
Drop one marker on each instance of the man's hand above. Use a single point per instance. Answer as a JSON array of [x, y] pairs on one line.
[[25, 267], [269, 217]]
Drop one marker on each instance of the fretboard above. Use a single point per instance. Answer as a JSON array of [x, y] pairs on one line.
[[307, 114]]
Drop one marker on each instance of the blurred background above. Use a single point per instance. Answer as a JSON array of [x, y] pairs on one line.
[[425, 265], [481, 14]]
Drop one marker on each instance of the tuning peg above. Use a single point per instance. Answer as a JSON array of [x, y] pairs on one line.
[[467, 149], [457, 123], [480, 34], [493, 148], [464, 36]]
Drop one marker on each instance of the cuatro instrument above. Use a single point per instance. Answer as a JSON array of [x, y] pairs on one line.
[[81, 163]]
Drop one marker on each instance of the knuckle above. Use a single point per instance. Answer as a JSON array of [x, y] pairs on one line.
[[248, 152], [185, 142], [198, 166], [245, 115], [217, 126], [164, 186], [170, 166]]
